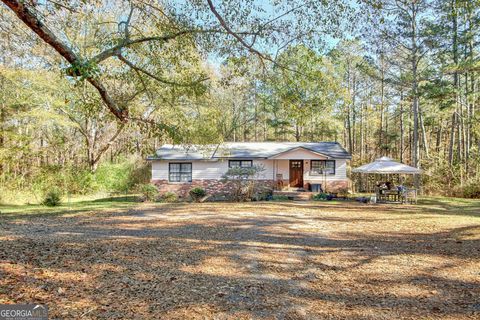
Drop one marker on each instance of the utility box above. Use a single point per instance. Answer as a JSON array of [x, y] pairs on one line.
[[316, 187]]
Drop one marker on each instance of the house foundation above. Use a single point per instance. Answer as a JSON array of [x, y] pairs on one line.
[[222, 188]]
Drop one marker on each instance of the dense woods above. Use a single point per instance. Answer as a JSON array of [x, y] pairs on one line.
[[88, 89]]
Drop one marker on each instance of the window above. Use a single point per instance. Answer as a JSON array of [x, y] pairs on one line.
[[180, 172], [240, 163], [322, 167], [296, 164]]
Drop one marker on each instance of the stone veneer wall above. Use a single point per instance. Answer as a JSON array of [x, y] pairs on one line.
[[217, 187], [211, 186], [332, 186]]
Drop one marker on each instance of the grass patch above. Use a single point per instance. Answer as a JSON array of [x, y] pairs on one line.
[[70, 206], [451, 205]]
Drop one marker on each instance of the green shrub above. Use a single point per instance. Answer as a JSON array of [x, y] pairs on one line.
[[169, 197], [114, 177], [121, 177], [52, 198], [141, 173], [197, 194], [279, 197], [148, 191], [343, 192], [70, 179], [472, 190], [262, 195], [320, 196]]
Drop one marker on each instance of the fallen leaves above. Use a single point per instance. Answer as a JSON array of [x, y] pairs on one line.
[[245, 261]]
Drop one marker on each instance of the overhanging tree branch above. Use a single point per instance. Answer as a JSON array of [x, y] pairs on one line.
[[159, 79], [224, 24], [113, 51], [249, 47], [31, 20]]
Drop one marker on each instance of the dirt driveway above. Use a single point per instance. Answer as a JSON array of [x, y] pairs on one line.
[[246, 261]]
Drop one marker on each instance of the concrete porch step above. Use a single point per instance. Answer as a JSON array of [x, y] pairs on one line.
[[295, 195]]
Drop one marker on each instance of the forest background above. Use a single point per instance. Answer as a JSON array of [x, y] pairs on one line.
[[89, 89]]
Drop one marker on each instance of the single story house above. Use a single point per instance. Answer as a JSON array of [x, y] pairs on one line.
[[306, 165]]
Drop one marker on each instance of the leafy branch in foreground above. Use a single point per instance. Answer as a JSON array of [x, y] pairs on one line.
[[143, 33]]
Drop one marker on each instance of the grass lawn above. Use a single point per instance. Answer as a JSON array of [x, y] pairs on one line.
[[69, 206], [270, 260]]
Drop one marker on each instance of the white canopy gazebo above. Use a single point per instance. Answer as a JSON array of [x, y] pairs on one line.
[[387, 166]]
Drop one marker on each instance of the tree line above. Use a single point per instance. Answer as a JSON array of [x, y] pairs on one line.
[[86, 84]]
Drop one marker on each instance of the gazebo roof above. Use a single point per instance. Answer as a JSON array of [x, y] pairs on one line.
[[386, 165]]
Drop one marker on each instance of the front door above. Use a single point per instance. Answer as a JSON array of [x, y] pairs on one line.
[[296, 173]]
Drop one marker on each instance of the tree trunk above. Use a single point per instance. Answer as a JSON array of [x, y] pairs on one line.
[[297, 132], [455, 81], [470, 90], [353, 112], [382, 103], [439, 138], [2, 134], [349, 120], [362, 132], [2, 121], [402, 141], [424, 134], [415, 106], [452, 139]]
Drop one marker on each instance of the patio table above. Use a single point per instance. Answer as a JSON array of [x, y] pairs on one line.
[[388, 196]]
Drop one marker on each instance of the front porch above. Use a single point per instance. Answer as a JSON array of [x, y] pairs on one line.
[[315, 175], [308, 170]]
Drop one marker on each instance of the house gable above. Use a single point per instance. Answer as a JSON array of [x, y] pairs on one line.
[[299, 153]]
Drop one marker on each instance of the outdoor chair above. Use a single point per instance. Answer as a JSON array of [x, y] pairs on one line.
[[409, 196]]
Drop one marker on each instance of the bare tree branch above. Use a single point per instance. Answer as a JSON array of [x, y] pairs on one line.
[[62, 6], [159, 79], [250, 48], [113, 51], [108, 144], [235, 35]]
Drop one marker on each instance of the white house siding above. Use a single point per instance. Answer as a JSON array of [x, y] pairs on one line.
[[340, 172], [208, 170], [159, 170], [213, 170], [282, 167], [268, 173], [201, 170]]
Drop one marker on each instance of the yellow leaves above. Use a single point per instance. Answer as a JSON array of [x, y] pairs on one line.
[[41, 117]]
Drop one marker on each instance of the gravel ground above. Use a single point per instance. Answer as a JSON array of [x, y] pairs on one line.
[[246, 261]]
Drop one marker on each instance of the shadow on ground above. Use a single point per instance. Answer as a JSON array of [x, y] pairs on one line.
[[234, 261]]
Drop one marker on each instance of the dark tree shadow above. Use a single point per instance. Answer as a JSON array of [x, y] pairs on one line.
[[194, 261]]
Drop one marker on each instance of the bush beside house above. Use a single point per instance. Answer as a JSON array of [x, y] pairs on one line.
[[197, 194], [169, 197], [148, 192], [243, 182]]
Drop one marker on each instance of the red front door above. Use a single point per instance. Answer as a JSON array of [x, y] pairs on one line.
[[296, 173]]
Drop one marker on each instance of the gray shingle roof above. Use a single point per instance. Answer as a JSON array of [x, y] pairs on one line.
[[261, 150]]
